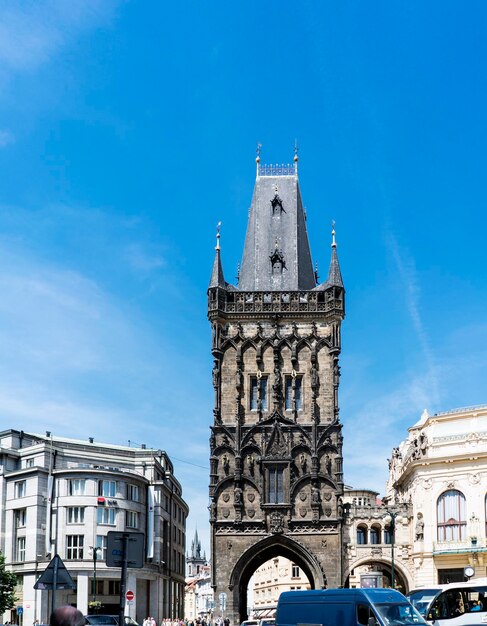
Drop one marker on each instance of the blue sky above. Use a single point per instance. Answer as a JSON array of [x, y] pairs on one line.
[[128, 129]]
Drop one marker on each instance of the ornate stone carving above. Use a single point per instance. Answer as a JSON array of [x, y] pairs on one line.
[[276, 523]]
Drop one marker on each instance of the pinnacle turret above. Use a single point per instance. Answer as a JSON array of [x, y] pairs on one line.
[[334, 274], [217, 279]]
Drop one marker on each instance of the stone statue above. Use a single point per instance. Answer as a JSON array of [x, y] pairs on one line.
[[238, 495], [419, 528], [315, 495], [303, 462], [251, 463], [328, 464], [225, 463]]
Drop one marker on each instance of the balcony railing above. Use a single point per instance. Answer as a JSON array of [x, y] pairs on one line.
[[459, 547], [285, 169], [277, 301]]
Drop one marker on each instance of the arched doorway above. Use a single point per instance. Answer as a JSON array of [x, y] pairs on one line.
[[258, 554], [363, 566]]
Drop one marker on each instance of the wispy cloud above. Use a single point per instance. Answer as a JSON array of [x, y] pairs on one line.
[[411, 288], [6, 138], [31, 32], [390, 413], [144, 260]]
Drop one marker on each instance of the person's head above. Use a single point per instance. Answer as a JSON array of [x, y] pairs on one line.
[[67, 616]]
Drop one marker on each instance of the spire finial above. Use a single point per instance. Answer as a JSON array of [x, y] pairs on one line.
[[238, 273], [296, 158], [217, 247], [333, 241], [257, 158]]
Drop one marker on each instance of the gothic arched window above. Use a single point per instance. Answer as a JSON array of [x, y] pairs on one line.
[[361, 535], [451, 516], [374, 535]]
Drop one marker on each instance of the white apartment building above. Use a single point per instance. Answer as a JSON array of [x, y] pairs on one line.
[[63, 496]]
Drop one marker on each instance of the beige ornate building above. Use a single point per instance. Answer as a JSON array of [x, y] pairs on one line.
[[269, 581], [437, 489], [440, 473]]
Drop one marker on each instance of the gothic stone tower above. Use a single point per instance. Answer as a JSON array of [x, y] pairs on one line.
[[276, 477]]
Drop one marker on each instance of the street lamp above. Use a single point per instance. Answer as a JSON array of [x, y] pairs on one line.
[[94, 549], [390, 518]]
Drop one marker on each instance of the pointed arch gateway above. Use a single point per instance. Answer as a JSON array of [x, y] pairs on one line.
[[264, 550]]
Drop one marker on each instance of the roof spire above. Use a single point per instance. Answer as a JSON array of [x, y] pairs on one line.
[[257, 158], [334, 274], [296, 158], [217, 279], [218, 226]]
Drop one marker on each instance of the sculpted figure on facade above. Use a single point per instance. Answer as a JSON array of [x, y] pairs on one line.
[[419, 528]]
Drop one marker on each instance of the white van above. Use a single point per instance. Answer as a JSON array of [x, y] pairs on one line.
[[455, 604]]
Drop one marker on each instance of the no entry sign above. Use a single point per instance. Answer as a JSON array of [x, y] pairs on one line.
[[129, 596]]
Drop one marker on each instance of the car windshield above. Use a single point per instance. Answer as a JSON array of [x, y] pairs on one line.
[[402, 614], [422, 599], [101, 619]]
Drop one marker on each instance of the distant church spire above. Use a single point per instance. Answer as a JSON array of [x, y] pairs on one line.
[[334, 274], [217, 279]]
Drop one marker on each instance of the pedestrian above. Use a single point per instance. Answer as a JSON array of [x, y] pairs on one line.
[[67, 616]]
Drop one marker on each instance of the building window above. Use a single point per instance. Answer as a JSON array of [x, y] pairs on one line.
[[361, 535], [107, 488], [258, 393], [74, 547], [101, 544], [20, 549], [275, 491], [451, 516], [76, 487], [133, 493], [295, 571], [29, 463], [293, 393], [387, 535], [106, 515], [20, 489], [20, 518], [75, 514], [132, 519], [113, 587], [100, 584], [374, 535]]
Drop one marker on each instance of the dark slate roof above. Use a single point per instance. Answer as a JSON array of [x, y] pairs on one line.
[[217, 279], [276, 231], [334, 274]]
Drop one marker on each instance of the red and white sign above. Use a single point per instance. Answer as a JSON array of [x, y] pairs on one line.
[[129, 596]]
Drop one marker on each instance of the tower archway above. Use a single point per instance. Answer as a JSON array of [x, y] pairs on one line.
[[264, 550]]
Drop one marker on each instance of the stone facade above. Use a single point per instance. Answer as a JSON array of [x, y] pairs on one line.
[[276, 477], [63, 496]]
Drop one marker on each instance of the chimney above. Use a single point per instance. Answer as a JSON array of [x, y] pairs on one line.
[[91, 439]]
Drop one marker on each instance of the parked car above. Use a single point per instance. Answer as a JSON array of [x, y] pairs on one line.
[[108, 620], [250, 622], [267, 621]]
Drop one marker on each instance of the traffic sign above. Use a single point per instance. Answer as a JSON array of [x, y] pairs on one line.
[[130, 595], [135, 549], [20, 610], [56, 569]]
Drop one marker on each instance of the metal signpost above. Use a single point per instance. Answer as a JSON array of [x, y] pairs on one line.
[[223, 604], [55, 577], [124, 550]]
